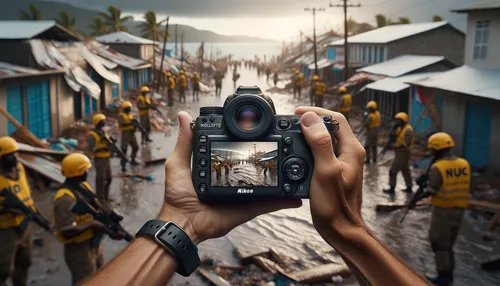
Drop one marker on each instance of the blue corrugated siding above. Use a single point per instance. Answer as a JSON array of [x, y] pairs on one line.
[[94, 104], [135, 79], [114, 90], [38, 101], [86, 104], [330, 53], [15, 106], [125, 81], [418, 107], [477, 134], [149, 74]]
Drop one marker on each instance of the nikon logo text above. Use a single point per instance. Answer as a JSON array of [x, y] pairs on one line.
[[244, 191], [210, 125]]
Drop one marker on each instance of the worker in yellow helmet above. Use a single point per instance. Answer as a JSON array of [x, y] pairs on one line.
[[318, 89], [401, 140], [77, 230], [170, 88], [297, 87], [182, 82], [144, 105], [16, 237], [372, 123], [345, 102], [99, 143], [126, 124], [195, 80]]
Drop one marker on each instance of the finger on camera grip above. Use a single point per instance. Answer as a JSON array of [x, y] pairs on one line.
[[181, 156]]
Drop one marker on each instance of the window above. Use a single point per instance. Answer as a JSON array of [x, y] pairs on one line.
[[364, 54], [381, 55], [375, 50], [369, 54], [481, 37]]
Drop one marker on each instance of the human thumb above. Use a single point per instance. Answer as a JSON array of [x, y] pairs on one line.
[[181, 156], [319, 140]]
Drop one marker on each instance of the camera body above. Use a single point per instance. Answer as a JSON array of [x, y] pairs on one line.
[[244, 151]]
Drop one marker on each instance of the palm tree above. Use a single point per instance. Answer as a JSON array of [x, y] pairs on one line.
[[98, 27], [66, 20], [437, 18], [150, 29], [114, 20], [32, 14], [404, 20], [381, 20]]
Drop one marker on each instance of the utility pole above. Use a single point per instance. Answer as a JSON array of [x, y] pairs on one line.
[[255, 149], [314, 36], [301, 43], [202, 54], [182, 50], [346, 52], [176, 54]]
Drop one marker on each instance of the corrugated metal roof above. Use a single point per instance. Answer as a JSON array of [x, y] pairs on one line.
[[393, 85], [20, 30], [12, 71], [391, 33], [467, 80], [401, 65], [323, 63], [483, 5], [96, 64], [120, 59], [108, 64], [123, 38]]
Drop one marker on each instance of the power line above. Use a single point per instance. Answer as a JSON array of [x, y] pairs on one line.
[[346, 52], [314, 9]]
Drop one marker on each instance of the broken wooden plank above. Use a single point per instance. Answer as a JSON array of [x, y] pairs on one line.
[[155, 161], [42, 166], [22, 134], [211, 276], [246, 254], [484, 204], [322, 273], [271, 267], [58, 155], [389, 207]]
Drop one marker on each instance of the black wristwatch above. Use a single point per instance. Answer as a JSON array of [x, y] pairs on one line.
[[173, 238]]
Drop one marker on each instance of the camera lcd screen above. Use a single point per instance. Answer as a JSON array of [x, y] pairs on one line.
[[244, 164]]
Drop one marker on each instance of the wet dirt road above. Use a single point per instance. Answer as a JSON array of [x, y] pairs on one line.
[[289, 231]]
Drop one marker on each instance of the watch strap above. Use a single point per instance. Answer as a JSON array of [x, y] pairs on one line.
[[172, 237]]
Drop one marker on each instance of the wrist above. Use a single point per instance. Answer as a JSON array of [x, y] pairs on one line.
[[168, 215]]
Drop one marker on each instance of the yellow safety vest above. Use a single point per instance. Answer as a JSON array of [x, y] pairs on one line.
[[99, 144], [171, 83], [455, 190], [375, 119], [319, 88], [298, 81], [143, 100], [346, 106], [22, 190], [182, 81], [128, 119], [79, 219], [195, 79], [400, 139]]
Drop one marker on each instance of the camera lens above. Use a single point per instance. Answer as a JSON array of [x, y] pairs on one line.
[[248, 117]]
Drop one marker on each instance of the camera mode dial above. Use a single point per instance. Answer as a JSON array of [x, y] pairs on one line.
[[295, 169]]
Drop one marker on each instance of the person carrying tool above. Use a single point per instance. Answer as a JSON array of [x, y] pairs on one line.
[[345, 102], [126, 126], [171, 89], [275, 77], [372, 124], [74, 229], [218, 82], [182, 81], [195, 79], [298, 84], [16, 237], [144, 104], [318, 89], [404, 140], [101, 148]]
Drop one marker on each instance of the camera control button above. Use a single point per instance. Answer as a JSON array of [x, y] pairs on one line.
[[203, 149], [212, 119], [287, 188], [295, 120], [286, 151], [204, 120], [283, 123], [202, 188], [202, 139], [203, 162], [327, 118], [202, 174], [295, 169], [288, 140]]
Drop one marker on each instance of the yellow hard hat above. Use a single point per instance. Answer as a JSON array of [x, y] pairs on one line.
[[372, 104], [181, 72], [440, 141], [342, 89], [7, 145], [195, 72], [144, 89], [98, 118], [169, 74], [403, 116], [75, 165], [315, 77], [126, 104], [297, 71]]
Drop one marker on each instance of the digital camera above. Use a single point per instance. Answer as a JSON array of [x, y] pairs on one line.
[[244, 151]]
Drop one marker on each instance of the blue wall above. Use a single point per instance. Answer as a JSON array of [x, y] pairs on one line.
[[15, 106], [38, 103], [418, 107], [330, 53], [477, 132]]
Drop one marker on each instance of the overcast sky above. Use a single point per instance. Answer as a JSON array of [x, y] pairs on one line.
[[274, 19]]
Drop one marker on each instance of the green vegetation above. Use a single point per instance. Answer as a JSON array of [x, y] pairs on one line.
[[32, 14]]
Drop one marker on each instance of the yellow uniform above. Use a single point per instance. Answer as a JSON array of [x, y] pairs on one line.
[[171, 83], [455, 188], [127, 127], [404, 142], [101, 148], [182, 81], [372, 128], [125, 121], [21, 189], [143, 104], [375, 119], [346, 103], [400, 142]]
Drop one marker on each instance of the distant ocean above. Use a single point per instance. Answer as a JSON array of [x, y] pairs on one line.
[[238, 50]]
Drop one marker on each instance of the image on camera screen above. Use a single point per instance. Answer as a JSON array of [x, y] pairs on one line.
[[242, 164]]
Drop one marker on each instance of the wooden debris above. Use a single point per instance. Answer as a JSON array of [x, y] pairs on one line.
[[22, 134], [389, 207], [155, 161], [269, 266], [58, 155], [212, 277], [42, 166], [322, 273], [246, 254]]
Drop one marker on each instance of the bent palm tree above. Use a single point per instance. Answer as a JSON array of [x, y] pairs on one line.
[[150, 28], [98, 27], [32, 14], [437, 18], [66, 20], [114, 20], [381, 20]]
